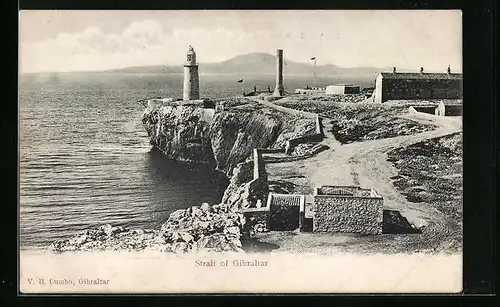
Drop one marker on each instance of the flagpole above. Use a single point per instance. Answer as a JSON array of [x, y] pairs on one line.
[[314, 72]]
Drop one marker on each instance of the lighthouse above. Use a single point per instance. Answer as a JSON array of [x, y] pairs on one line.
[[191, 79]]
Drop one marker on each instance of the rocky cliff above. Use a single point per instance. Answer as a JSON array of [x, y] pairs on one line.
[[180, 132], [223, 137]]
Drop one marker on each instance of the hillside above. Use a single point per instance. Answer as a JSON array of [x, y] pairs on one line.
[[258, 63]]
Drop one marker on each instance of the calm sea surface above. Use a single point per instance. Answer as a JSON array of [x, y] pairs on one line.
[[85, 159]]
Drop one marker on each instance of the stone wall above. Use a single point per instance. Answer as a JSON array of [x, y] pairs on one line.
[[394, 89], [259, 169], [289, 111], [348, 214]]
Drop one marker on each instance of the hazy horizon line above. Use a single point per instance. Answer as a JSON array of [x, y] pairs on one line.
[[382, 69]]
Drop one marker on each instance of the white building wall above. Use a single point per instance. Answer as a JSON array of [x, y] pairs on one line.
[[335, 90], [377, 93]]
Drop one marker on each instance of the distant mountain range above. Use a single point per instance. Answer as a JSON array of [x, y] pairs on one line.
[[258, 63]]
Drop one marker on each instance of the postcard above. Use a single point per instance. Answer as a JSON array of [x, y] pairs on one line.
[[240, 151]]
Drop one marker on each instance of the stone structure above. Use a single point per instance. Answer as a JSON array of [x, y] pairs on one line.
[[279, 90], [191, 78], [287, 211], [347, 209], [442, 108], [409, 86], [258, 216], [342, 89]]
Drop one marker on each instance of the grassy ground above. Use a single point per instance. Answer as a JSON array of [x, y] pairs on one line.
[[426, 185], [430, 173], [418, 174], [352, 122]]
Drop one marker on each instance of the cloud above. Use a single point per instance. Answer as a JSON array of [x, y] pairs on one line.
[[141, 43], [391, 41]]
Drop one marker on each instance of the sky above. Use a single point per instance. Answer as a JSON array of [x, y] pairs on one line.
[[55, 41]]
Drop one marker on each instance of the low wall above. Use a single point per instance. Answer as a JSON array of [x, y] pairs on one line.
[[271, 150], [317, 137], [348, 214], [257, 188], [289, 111], [290, 158], [425, 109], [422, 115], [258, 219], [259, 169]]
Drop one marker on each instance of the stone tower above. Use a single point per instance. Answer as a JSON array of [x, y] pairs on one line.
[[191, 79], [278, 91]]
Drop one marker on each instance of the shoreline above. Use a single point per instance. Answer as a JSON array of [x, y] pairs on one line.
[[351, 163]]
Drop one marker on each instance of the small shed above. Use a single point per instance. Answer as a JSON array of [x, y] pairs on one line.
[[342, 89]]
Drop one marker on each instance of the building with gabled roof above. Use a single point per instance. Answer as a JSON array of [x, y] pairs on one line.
[[422, 85]]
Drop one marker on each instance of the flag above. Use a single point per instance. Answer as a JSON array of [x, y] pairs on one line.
[[240, 80], [313, 58]]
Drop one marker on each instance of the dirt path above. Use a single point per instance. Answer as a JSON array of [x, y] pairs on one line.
[[365, 164]]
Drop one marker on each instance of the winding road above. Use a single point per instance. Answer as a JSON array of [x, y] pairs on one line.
[[365, 164]]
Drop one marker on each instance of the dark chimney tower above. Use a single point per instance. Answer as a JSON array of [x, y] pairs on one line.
[[421, 70], [449, 69], [279, 90], [394, 70]]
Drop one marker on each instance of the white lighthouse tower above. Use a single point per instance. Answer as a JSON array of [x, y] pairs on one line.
[[191, 79]]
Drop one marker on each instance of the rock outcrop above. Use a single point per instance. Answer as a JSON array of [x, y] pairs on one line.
[[225, 136], [204, 228], [180, 132], [109, 238]]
